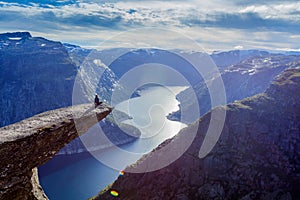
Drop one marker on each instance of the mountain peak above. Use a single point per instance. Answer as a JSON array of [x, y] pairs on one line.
[[286, 85], [21, 35]]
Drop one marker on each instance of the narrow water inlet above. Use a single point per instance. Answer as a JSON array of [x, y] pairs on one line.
[[92, 172]]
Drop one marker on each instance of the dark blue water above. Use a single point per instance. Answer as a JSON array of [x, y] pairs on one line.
[[78, 177]]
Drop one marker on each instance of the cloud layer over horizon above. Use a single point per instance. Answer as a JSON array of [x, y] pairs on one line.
[[215, 24]]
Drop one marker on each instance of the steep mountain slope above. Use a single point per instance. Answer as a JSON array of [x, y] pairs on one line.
[[256, 157], [94, 74], [35, 75]]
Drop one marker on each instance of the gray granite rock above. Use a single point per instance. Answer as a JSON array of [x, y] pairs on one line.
[[32, 142]]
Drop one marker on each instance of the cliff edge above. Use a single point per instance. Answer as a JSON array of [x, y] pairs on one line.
[[32, 142]]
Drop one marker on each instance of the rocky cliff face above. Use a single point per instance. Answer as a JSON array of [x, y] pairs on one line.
[[32, 142], [256, 157], [94, 72], [35, 75]]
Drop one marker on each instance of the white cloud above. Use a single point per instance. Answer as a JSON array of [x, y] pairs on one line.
[[287, 49], [239, 47], [284, 11], [90, 23], [295, 36], [159, 12]]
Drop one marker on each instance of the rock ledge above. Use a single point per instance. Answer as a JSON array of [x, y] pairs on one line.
[[32, 142]]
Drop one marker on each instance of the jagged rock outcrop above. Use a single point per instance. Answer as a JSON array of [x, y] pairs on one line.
[[256, 157], [27, 144]]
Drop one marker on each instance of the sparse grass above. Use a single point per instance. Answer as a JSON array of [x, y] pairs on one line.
[[296, 74], [287, 76]]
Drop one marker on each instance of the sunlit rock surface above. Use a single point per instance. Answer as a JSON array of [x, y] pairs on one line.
[[32, 142]]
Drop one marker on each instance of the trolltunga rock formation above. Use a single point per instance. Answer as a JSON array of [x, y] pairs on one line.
[[32, 142]]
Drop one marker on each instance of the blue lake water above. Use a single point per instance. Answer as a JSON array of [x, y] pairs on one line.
[[81, 176]]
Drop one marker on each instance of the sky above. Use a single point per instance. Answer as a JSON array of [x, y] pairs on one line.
[[213, 25]]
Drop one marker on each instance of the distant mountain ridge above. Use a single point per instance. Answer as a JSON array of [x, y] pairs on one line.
[[22, 35], [243, 79]]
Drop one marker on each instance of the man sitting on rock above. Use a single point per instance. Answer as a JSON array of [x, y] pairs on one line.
[[96, 101]]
